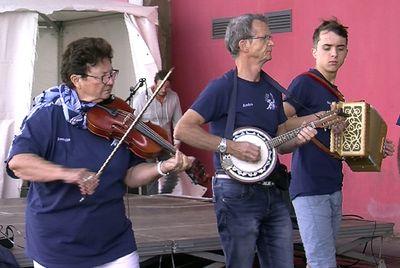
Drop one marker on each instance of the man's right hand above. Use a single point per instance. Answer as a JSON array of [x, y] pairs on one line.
[[244, 150]]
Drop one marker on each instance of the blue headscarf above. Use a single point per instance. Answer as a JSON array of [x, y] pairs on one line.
[[74, 110]]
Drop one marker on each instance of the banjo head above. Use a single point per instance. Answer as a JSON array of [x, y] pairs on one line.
[[250, 172]]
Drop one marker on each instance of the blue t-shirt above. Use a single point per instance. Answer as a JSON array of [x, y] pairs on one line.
[[398, 121], [61, 231], [258, 104], [314, 172]]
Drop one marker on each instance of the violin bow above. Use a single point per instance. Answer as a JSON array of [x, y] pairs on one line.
[[137, 118]]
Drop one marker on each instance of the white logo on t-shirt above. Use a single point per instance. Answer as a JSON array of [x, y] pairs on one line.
[[269, 98], [64, 139]]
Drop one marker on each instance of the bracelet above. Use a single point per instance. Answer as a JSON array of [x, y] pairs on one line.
[[159, 169]]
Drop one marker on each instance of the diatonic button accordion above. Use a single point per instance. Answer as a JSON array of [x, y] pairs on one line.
[[361, 143]]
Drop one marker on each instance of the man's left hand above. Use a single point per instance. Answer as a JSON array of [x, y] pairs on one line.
[[305, 135], [388, 148]]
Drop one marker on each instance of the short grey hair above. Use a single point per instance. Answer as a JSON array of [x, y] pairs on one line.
[[240, 28]]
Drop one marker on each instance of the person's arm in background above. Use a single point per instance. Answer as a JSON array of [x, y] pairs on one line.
[[138, 102], [177, 114]]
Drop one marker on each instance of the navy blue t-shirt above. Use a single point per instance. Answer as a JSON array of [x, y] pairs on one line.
[[398, 121], [61, 231], [258, 104], [314, 172]]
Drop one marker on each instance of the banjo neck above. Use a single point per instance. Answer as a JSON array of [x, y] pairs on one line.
[[281, 139], [325, 120]]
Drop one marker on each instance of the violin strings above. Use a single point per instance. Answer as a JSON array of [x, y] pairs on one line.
[[150, 133], [154, 136]]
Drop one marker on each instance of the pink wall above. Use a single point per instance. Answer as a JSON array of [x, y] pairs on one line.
[[369, 73]]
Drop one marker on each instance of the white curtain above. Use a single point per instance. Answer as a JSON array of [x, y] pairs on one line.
[[143, 42], [18, 33]]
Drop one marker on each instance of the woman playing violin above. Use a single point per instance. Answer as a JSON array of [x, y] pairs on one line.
[[60, 157]]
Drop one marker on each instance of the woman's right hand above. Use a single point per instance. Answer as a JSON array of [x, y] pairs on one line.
[[87, 181]]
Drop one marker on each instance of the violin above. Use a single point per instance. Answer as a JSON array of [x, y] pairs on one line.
[[111, 119]]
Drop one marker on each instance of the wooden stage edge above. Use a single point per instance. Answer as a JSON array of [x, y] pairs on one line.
[[167, 224]]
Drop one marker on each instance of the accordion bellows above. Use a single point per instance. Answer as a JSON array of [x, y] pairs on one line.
[[361, 143]]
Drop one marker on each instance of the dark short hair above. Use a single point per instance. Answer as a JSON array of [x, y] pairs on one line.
[[82, 53], [160, 75], [332, 25], [240, 28]]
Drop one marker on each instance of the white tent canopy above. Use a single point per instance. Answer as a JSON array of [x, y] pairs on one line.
[[33, 35]]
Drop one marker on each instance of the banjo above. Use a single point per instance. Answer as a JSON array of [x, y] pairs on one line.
[[250, 172]]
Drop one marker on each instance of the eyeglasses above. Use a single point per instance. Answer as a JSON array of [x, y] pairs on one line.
[[266, 37], [107, 77]]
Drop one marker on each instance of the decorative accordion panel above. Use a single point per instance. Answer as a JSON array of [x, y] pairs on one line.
[[361, 143]]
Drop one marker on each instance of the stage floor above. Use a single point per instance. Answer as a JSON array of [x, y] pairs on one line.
[[165, 225]]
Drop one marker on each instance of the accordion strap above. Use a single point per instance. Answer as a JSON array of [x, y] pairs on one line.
[[326, 85], [334, 92], [323, 148]]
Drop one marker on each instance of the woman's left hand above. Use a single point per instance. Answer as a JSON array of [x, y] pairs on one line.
[[177, 163]]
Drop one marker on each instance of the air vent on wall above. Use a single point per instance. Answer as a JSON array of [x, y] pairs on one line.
[[279, 22], [219, 27]]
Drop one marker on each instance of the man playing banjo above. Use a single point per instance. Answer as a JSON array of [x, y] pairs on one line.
[[251, 216]]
